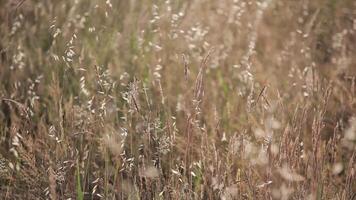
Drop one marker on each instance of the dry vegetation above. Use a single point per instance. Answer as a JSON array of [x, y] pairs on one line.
[[178, 99]]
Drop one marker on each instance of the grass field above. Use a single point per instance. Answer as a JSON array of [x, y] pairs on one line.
[[178, 99]]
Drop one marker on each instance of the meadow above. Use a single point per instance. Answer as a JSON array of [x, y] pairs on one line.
[[178, 99]]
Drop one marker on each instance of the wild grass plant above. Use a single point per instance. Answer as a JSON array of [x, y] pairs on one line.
[[184, 99]]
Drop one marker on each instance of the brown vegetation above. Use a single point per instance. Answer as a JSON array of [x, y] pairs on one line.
[[186, 99]]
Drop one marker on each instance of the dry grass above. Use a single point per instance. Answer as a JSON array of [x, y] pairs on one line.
[[186, 99]]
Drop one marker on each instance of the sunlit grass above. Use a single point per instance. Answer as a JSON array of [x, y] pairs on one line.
[[183, 99]]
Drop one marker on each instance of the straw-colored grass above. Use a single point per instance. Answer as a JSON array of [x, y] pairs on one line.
[[178, 99]]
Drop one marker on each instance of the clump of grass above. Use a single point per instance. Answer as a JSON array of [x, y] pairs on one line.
[[177, 100]]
